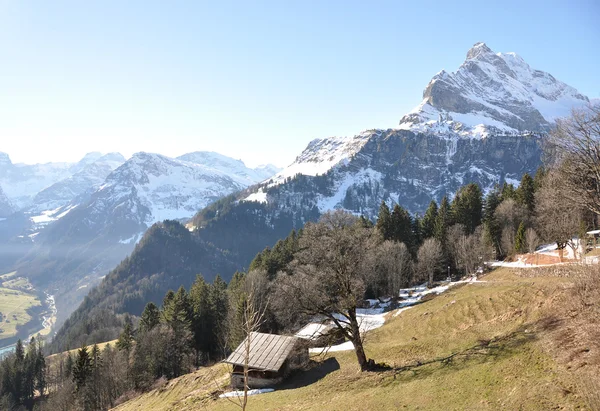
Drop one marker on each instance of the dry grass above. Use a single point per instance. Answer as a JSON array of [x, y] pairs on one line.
[[489, 345]]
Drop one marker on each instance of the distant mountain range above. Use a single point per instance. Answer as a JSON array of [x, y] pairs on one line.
[[74, 222], [483, 123]]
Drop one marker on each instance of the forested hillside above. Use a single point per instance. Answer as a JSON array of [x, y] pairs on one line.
[[168, 257]]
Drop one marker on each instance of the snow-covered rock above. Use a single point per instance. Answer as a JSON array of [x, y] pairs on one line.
[[6, 207], [492, 93], [89, 174], [236, 169], [42, 187]]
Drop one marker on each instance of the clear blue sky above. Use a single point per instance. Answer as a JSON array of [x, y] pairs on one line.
[[255, 80]]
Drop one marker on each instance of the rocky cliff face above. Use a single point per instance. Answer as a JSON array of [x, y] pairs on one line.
[[492, 93], [6, 207]]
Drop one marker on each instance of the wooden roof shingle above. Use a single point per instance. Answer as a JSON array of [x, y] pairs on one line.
[[268, 352]]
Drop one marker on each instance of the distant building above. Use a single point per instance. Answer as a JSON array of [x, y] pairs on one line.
[[593, 238], [272, 358]]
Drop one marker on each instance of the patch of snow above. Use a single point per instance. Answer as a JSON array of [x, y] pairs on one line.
[[321, 155], [260, 197], [312, 331], [345, 346], [133, 239], [401, 310], [250, 392], [2, 219]]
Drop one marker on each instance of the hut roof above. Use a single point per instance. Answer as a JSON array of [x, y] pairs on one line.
[[268, 352]]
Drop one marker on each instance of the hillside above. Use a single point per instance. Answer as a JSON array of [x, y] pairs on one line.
[[516, 340], [167, 257]]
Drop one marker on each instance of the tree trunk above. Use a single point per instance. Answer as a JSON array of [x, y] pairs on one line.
[[357, 341]]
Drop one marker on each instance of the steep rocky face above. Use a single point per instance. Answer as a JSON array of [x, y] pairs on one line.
[[492, 93], [411, 169], [89, 174], [6, 207]]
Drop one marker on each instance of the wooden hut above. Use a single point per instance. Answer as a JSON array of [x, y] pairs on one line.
[[272, 358]]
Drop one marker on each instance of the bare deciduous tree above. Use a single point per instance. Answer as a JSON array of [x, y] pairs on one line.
[[509, 214], [329, 276], [430, 259], [532, 240], [558, 218], [466, 250], [391, 265], [574, 148]]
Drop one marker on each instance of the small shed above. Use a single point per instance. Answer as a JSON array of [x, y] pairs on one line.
[[272, 358]]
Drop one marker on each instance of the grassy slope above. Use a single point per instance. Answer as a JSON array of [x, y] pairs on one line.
[[503, 361], [14, 301]]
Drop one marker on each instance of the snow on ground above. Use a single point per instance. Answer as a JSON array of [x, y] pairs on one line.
[[350, 179], [372, 318], [260, 196], [48, 216], [323, 154], [313, 331], [2, 219], [250, 392], [133, 239], [401, 310]]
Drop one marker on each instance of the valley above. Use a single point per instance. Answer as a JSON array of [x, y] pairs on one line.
[[25, 311]]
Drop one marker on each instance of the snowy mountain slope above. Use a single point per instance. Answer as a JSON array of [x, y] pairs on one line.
[[323, 154], [437, 148], [236, 169], [6, 207], [88, 174], [74, 252], [492, 93], [23, 182]]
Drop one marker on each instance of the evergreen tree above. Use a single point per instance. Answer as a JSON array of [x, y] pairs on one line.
[[428, 221], [402, 230], [417, 233], [384, 221], [508, 191], [237, 303], [150, 317], [179, 310], [467, 207], [29, 372], [525, 193], [520, 243], [82, 368], [125, 340], [219, 303], [442, 222], [40, 370], [19, 351], [69, 364], [492, 227], [202, 317], [167, 300], [96, 357]]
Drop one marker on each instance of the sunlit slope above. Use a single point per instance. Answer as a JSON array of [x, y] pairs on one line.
[[488, 345]]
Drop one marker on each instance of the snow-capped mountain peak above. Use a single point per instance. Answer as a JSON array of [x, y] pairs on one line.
[[232, 167], [321, 155], [492, 93]]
